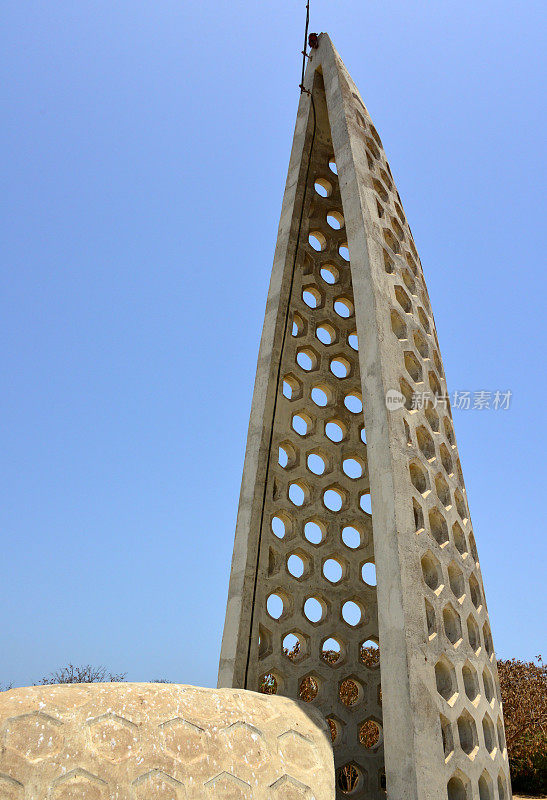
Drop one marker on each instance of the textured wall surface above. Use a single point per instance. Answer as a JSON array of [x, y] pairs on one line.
[[160, 742], [347, 541]]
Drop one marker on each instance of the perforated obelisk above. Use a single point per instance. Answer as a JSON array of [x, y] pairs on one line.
[[347, 540]]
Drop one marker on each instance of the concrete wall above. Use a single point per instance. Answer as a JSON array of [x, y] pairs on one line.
[[438, 718]]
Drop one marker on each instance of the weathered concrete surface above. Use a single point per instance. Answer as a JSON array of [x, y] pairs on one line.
[[134, 741], [438, 718]]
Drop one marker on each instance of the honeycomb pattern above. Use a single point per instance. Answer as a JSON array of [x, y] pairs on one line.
[[317, 613], [314, 621], [454, 613], [143, 741]]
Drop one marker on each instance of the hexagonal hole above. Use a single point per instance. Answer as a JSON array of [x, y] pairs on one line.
[[489, 734], [335, 498], [488, 685], [302, 423], [352, 613], [409, 281], [473, 548], [418, 516], [332, 651], [501, 735], [473, 634], [329, 274], [291, 387], [307, 359], [413, 367], [448, 737], [425, 442], [434, 384], [343, 251], [368, 573], [446, 459], [486, 787], [487, 636], [475, 592], [352, 536], [432, 418], [443, 490], [398, 231], [343, 306], [420, 342], [350, 691], [456, 581], [340, 367], [354, 402], [317, 462], [398, 325], [411, 263], [322, 395], [430, 620], [315, 531], [299, 493], [380, 189], [299, 565], [391, 240], [335, 430], [459, 539], [326, 333], [269, 683], [287, 455], [452, 625], [502, 792], [335, 728], [431, 570], [449, 432], [445, 678], [365, 502], [403, 299], [349, 779], [438, 526], [315, 610], [333, 569], [295, 646], [353, 468], [471, 682], [467, 731], [370, 734], [418, 478], [323, 187], [458, 787], [278, 605], [424, 320], [461, 508], [281, 525], [369, 653], [309, 688], [317, 240], [298, 327], [335, 220], [408, 393]]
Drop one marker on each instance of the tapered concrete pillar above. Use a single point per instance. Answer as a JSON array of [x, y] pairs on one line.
[[353, 528]]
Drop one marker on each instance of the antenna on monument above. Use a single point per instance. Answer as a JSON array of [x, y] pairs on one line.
[[311, 41]]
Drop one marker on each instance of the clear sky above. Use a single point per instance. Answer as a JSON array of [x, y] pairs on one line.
[[145, 148]]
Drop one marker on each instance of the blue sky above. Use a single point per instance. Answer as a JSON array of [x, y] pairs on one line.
[[146, 147]]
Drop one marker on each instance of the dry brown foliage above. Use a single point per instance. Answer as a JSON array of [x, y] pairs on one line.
[[83, 674], [524, 694]]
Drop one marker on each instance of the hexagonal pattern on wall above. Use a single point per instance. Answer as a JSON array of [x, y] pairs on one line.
[[160, 742]]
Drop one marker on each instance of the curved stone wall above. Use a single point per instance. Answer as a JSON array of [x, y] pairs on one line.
[[123, 741]]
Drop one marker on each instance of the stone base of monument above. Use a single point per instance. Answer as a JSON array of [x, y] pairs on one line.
[[137, 741]]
